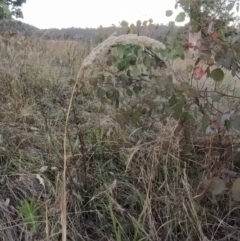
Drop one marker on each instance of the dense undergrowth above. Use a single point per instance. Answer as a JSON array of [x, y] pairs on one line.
[[124, 181]]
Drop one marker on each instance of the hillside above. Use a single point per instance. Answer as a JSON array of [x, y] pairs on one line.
[[17, 26]]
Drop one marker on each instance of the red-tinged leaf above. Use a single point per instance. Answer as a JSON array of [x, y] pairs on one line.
[[214, 34], [210, 62], [198, 73], [190, 45]]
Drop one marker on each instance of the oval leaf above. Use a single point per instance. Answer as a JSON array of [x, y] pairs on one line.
[[101, 92], [230, 6], [217, 186], [180, 17], [169, 13], [217, 75], [216, 97], [236, 190], [214, 34], [236, 122], [189, 68], [198, 73]]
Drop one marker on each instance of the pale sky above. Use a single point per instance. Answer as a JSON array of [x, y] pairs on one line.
[[93, 13]]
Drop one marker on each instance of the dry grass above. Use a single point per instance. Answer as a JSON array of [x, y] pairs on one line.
[[123, 182]]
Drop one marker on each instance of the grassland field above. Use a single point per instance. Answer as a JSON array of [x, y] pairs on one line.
[[123, 182]]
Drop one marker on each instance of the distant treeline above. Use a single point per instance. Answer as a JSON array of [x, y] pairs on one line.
[[158, 32], [87, 33]]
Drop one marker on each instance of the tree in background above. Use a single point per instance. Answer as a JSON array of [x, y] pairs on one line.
[[9, 8], [205, 14]]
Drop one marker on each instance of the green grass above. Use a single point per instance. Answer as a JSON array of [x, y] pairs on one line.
[[123, 182]]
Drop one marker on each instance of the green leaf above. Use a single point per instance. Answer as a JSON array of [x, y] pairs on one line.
[[227, 62], [177, 53], [169, 13], [163, 52], [135, 71], [193, 93], [234, 69], [188, 118], [207, 107], [180, 17], [101, 92], [206, 55], [147, 61], [172, 101], [216, 96], [129, 92], [120, 51], [133, 103], [189, 68], [177, 109], [136, 115], [205, 121], [136, 89], [93, 81], [177, 113], [164, 80], [236, 122], [217, 74], [140, 54], [236, 190], [123, 65], [230, 6], [184, 86], [217, 186]]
